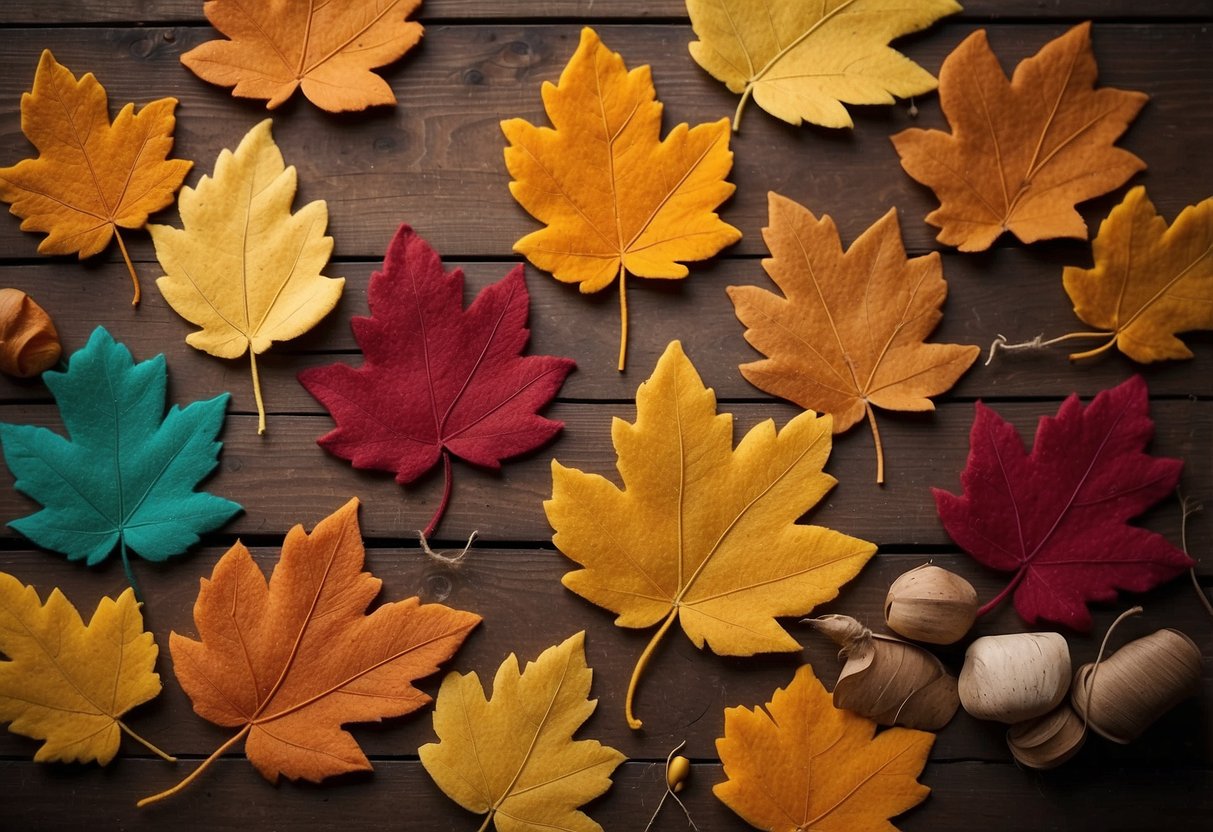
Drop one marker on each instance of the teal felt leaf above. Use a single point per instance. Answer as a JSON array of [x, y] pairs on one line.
[[126, 476]]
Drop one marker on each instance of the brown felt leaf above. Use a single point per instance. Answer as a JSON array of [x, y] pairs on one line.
[[847, 333], [327, 49], [1024, 152]]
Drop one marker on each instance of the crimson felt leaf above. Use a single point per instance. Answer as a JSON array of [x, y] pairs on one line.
[[437, 380], [1058, 517]]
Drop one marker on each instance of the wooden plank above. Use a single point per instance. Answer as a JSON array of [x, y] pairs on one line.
[[436, 160], [283, 477]]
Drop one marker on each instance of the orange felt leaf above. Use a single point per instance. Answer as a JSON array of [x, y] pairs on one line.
[[1024, 152], [803, 764], [289, 662], [847, 333], [326, 49], [90, 176]]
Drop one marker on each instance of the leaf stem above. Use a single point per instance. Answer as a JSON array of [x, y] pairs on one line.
[[745, 96], [641, 664], [1189, 508], [126, 567], [998, 599], [446, 498], [194, 774], [1037, 343], [257, 391], [623, 317], [129, 265], [487, 820], [879, 445], [166, 757], [1079, 356]]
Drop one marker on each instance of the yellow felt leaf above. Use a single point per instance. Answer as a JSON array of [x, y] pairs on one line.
[[67, 682], [802, 60], [244, 268], [700, 532], [847, 334], [803, 764], [513, 757], [1149, 281], [90, 177], [617, 199]]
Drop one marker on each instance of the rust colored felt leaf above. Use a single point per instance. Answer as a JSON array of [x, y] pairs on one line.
[[1024, 152], [616, 198], [703, 533], [289, 662], [90, 177], [326, 49], [803, 764], [847, 334]]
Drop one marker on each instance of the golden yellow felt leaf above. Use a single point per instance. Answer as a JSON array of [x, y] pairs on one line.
[[700, 532], [513, 757], [847, 333], [244, 268], [1149, 281], [1022, 153], [801, 61], [617, 199], [68, 683], [90, 176], [326, 49], [803, 764]]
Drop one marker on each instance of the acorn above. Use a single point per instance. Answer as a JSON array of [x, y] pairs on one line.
[[1015, 677], [29, 342], [931, 604]]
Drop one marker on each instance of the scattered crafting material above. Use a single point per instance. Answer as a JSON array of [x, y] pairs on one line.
[[615, 198], [931, 604], [290, 661], [1047, 741], [802, 61], [847, 333], [681, 540], [129, 174], [1022, 153], [1015, 677], [513, 758], [244, 268], [29, 343], [437, 379], [126, 473]]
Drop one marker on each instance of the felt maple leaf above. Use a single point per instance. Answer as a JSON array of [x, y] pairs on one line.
[[848, 332], [437, 379], [326, 49], [513, 757], [125, 475], [616, 198], [69, 683], [290, 661], [1059, 517], [803, 61], [90, 177], [244, 268], [1021, 153], [702, 533], [804, 764]]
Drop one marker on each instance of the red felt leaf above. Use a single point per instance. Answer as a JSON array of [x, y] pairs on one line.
[[1058, 517], [437, 379]]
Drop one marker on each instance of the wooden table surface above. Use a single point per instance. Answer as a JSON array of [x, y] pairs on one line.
[[435, 161]]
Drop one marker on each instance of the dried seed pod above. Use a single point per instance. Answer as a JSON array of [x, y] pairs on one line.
[[677, 770], [1015, 677], [1047, 741], [931, 604], [29, 343], [1122, 695], [889, 680]]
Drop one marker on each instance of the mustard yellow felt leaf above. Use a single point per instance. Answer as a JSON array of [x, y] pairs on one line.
[[90, 177], [803, 764], [1149, 281], [617, 199], [244, 268], [513, 757], [700, 532], [66, 682], [801, 61]]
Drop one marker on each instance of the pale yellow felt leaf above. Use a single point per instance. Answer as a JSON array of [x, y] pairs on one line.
[[66, 682], [703, 533], [801, 61], [803, 764], [244, 268], [513, 757], [617, 199]]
